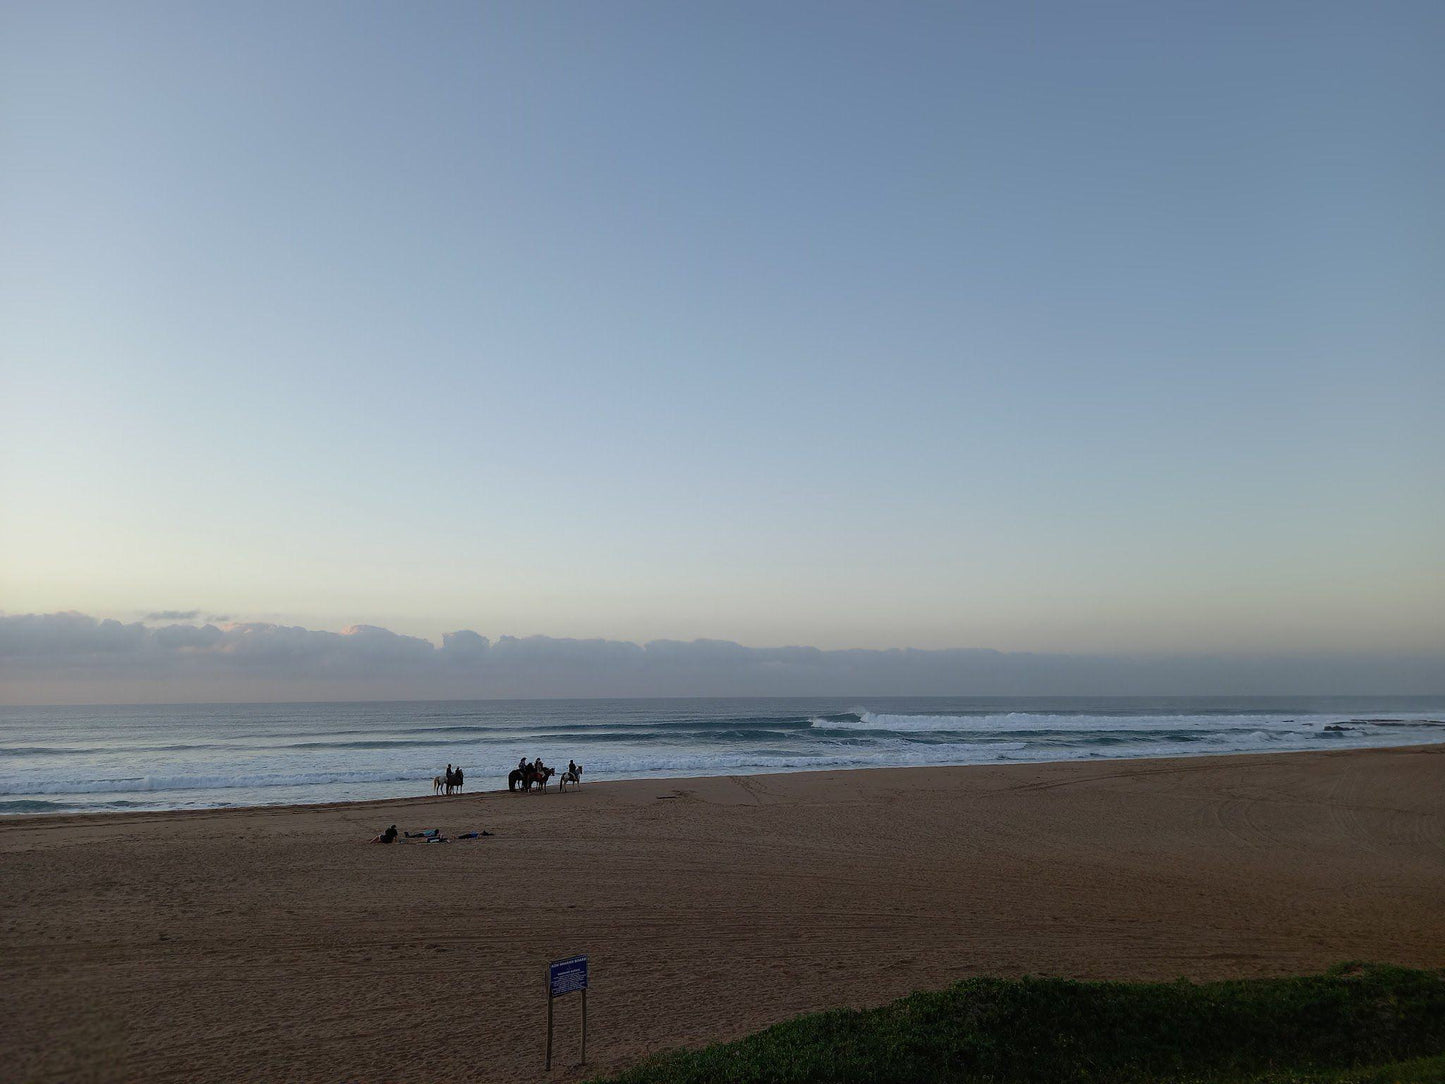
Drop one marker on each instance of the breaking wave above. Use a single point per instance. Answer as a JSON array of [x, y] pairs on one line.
[[1021, 722]]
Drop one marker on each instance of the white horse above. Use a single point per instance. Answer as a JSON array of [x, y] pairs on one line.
[[575, 778]]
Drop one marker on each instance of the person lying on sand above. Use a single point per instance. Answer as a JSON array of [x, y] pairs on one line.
[[389, 836]]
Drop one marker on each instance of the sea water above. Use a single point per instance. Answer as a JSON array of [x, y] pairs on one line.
[[94, 759]]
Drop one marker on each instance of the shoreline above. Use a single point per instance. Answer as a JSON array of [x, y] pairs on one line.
[[8, 818], [273, 942]]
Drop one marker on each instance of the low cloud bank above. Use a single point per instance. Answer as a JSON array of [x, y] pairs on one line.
[[75, 658]]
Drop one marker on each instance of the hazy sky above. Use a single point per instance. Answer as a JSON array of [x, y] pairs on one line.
[[1081, 328]]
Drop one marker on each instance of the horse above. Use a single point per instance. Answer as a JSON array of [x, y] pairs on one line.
[[437, 783], [528, 777], [575, 778], [457, 779]]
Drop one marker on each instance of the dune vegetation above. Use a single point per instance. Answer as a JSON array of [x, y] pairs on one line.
[[1356, 1024]]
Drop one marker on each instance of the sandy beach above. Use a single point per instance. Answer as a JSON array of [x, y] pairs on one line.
[[275, 944]]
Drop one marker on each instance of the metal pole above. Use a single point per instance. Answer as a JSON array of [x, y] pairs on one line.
[[549, 1031], [584, 1025]]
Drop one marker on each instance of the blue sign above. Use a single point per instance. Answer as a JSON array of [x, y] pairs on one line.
[[565, 976]]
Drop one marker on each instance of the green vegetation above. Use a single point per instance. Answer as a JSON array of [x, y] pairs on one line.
[[1354, 1025], [1418, 1071]]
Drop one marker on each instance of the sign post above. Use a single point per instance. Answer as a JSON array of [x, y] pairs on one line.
[[564, 977]]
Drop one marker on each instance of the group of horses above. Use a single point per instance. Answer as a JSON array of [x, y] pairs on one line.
[[449, 782], [531, 776]]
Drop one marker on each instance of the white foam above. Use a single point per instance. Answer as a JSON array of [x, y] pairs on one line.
[[1036, 721], [194, 782]]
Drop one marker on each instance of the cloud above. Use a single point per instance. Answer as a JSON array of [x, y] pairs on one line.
[[73, 657], [66, 636]]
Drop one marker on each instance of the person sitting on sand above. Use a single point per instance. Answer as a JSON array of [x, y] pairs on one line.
[[389, 836]]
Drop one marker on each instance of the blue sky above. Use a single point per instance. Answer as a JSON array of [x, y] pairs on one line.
[[1030, 327]]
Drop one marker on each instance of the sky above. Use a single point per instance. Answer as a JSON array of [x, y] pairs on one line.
[[1046, 328]]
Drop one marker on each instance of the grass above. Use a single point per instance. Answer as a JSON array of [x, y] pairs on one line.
[[1416, 1071], [1356, 1024]]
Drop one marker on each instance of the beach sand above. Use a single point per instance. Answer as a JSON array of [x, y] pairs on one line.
[[274, 944]]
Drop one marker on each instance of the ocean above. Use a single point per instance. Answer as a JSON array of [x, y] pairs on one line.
[[98, 759]]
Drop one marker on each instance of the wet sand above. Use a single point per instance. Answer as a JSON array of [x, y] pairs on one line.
[[275, 944]]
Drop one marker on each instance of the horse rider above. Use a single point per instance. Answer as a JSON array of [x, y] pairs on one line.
[[572, 768]]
